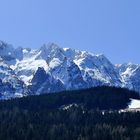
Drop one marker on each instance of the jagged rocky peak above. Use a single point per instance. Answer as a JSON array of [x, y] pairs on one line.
[[43, 82], [52, 46], [40, 76], [6, 51], [130, 74], [3, 44], [10, 85], [127, 67], [71, 54], [18, 52], [52, 69], [75, 79], [50, 51]]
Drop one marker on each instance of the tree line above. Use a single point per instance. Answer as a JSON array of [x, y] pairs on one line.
[[45, 118]]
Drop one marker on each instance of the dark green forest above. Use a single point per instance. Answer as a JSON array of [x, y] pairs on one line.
[[93, 115]]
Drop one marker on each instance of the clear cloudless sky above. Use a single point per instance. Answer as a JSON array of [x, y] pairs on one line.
[[110, 27]]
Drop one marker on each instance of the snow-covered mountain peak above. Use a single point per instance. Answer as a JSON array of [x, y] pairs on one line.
[[6, 51], [60, 69], [2, 43], [7, 48], [50, 47], [50, 51], [127, 68]]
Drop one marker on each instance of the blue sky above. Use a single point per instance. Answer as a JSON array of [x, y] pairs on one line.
[[111, 27]]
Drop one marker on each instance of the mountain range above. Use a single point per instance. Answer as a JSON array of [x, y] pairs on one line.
[[51, 69]]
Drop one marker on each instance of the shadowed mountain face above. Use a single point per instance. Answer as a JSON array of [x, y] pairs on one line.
[[52, 69]]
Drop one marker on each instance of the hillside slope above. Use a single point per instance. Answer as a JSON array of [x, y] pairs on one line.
[[75, 115]]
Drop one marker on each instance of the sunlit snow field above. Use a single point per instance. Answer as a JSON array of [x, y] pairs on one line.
[[134, 103]]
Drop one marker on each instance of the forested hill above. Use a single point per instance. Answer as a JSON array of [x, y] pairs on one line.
[[102, 98], [51, 116]]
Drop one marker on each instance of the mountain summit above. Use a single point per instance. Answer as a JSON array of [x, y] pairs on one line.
[[50, 68]]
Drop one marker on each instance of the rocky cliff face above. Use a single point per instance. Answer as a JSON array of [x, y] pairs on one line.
[[51, 69], [130, 74]]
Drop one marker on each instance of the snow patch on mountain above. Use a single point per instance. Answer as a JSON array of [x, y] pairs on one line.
[[52, 69], [134, 104]]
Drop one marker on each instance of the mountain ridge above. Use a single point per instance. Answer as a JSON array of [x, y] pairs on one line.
[[66, 69]]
